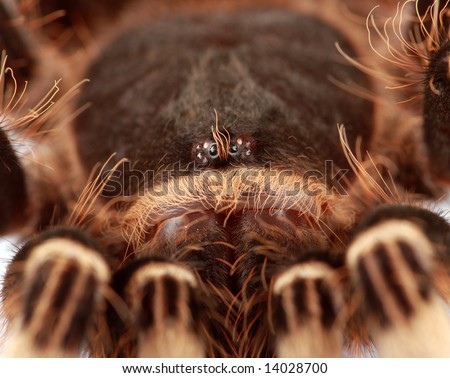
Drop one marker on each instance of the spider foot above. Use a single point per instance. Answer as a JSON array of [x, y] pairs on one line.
[[161, 300], [306, 311], [392, 264], [57, 279]]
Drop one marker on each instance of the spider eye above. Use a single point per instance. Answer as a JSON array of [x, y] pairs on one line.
[[233, 149], [213, 151]]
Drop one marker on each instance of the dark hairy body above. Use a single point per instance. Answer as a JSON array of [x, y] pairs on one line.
[[259, 69], [225, 213]]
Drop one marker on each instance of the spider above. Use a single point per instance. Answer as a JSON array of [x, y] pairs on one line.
[[231, 180]]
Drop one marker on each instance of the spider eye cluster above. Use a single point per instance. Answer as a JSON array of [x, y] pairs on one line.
[[206, 152], [244, 147], [240, 149]]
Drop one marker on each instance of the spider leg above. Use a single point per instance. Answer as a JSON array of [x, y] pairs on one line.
[[53, 290], [396, 266], [13, 196], [306, 301], [161, 299]]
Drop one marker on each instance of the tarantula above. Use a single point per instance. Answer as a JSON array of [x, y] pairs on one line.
[[232, 180]]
